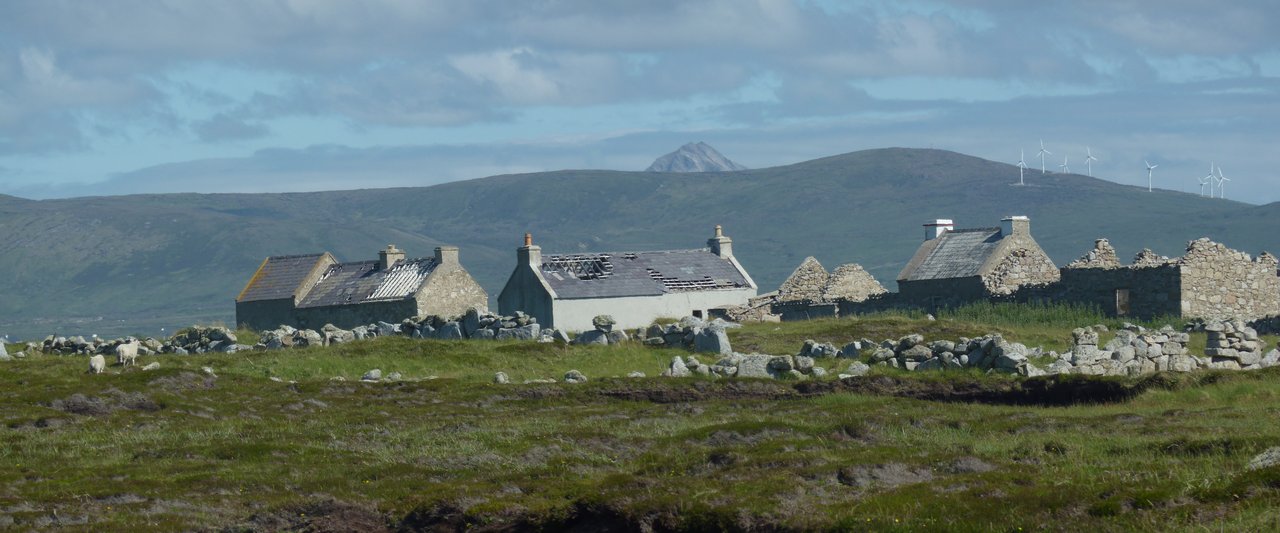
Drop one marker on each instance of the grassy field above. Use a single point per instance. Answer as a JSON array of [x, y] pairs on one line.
[[177, 449]]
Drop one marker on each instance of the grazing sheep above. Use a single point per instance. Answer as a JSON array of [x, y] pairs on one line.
[[97, 364], [127, 353]]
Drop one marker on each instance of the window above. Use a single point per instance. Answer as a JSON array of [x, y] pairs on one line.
[[697, 313], [1122, 302]]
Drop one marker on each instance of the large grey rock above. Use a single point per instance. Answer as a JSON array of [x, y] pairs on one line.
[[592, 337], [635, 374], [372, 375], [618, 336], [603, 323], [471, 322], [449, 331], [678, 368], [1084, 336], [917, 353], [851, 350], [857, 368], [710, 340], [574, 376], [501, 378], [818, 349], [523, 333], [910, 340], [1271, 359], [3, 351], [754, 366], [804, 363], [1268, 458]]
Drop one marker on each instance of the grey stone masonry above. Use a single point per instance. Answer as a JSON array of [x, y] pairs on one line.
[[805, 283], [851, 282], [1103, 255]]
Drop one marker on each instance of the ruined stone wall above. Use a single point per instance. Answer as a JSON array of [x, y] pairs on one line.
[[1021, 266], [350, 316], [851, 282], [264, 314], [940, 293], [805, 283], [450, 292], [1152, 291], [1219, 283]]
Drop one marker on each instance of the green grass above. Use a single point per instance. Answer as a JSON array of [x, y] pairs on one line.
[[173, 449]]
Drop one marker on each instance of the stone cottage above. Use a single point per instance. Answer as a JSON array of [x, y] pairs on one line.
[[1210, 281], [309, 291], [566, 291], [955, 266]]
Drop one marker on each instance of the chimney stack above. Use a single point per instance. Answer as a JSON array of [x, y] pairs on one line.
[[389, 257], [936, 228], [1015, 225], [446, 255], [529, 254], [720, 245]]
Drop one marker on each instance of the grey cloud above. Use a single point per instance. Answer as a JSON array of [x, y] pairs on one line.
[[224, 127]]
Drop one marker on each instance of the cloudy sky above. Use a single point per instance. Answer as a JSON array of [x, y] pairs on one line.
[[123, 96]]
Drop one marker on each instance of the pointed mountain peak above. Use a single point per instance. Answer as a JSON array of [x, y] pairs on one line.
[[694, 157]]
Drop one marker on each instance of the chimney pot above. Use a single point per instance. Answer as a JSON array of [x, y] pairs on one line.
[[1015, 225], [936, 228], [528, 239]]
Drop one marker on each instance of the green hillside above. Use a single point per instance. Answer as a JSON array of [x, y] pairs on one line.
[[126, 264]]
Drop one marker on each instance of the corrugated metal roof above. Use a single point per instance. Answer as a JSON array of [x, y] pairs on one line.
[[279, 277], [359, 282], [958, 254], [618, 274]]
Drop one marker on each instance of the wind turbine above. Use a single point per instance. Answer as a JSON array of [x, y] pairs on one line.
[[1222, 190], [1209, 180], [1064, 167], [1088, 161], [1041, 155], [1022, 165], [1150, 167]]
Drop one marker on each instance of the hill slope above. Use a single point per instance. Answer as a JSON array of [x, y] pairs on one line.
[[136, 263]]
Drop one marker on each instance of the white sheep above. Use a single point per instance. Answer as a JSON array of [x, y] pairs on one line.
[[97, 364], [127, 353]]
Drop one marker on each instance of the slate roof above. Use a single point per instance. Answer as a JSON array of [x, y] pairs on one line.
[[360, 282], [619, 274], [957, 254], [279, 277]]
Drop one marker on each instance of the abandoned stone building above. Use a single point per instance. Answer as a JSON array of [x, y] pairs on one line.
[[1210, 281], [954, 266], [309, 291], [566, 291]]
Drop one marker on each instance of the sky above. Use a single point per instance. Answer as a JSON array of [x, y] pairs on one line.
[[123, 96]]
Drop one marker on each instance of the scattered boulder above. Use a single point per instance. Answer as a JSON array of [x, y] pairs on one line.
[[574, 376], [1268, 458], [372, 375], [501, 378], [603, 323]]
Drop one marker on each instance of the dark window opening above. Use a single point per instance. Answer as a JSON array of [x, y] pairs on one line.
[[1122, 302], [697, 313]]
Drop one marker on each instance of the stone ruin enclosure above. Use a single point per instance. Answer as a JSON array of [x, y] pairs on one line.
[[1210, 281]]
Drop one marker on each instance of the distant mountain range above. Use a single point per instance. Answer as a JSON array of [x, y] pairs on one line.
[[694, 157], [133, 264]]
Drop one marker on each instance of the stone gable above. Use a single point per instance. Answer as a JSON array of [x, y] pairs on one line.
[[806, 283], [852, 283], [1103, 255]]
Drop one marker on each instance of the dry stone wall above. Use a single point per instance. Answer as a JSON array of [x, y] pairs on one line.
[[1023, 266], [851, 282], [1219, 283], [805, 283]]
